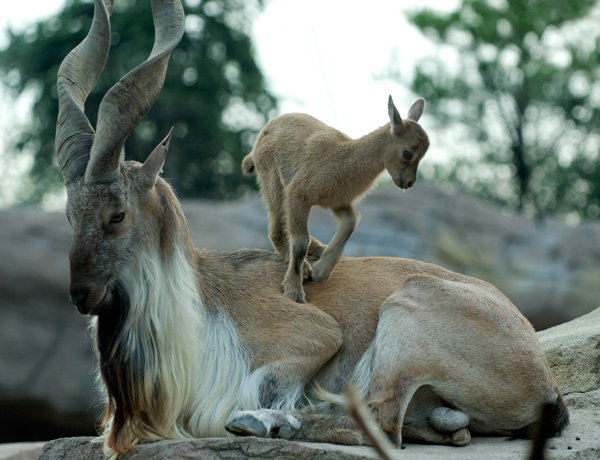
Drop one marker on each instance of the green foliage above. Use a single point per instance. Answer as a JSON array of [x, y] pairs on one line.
[[518, 79], [213, 95]]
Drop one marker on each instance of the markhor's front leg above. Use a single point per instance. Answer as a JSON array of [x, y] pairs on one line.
[[298, 425], [298, 268], [288, 343]]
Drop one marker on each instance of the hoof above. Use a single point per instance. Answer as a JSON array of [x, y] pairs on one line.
[[286, 431], [316, 250], [247, 425], [296, 296], [319, 275], [446, 419], [461, 437], [322, 270], [288, 426], [307, 270], [292, 288]]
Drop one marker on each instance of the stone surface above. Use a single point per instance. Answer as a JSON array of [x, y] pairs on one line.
[[573, 351], [209, 448], [580, 441], [550, 271], [21, 451]]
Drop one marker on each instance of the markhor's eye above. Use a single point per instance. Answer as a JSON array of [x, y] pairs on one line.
[[407, 154], [118, 217]]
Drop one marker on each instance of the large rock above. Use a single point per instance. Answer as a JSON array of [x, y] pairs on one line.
[[46, 359], [573, 350], [550, 271], [579, 441]]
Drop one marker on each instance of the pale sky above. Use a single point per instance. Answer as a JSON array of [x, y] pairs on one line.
[[320, 57]]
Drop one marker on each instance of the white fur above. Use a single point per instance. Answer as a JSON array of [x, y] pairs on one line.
[[193, 351], [223, 370], [225, 384], [165, 321]]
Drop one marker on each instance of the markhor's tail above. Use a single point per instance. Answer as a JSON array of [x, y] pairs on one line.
[[248, 165], [553, 420], [559, 416]]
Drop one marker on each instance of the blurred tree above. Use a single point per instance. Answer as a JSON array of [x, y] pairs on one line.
[[515, 87], [213, 95]]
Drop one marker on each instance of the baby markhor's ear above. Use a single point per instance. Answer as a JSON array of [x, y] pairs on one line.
[[396, 124]]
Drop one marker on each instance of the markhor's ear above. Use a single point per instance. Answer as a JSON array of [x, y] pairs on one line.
[[155, 161], [395, 120]]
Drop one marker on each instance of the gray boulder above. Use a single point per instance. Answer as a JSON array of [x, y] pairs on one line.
[[579, 441], [573, 351], [46, 359]]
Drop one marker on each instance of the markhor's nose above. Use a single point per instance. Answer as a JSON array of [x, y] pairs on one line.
[[410, 184], [78, 296]]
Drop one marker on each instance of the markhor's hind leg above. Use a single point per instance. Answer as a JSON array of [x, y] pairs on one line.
[[389, 410], [348, 219], [396, 378], [337, 429], [316, 248], [278, 233]]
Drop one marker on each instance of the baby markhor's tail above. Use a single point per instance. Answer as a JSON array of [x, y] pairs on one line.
[[248, 165]]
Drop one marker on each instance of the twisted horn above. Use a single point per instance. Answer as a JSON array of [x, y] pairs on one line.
[[129, 100], [77, 75]]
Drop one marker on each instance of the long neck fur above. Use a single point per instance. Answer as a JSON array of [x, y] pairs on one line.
[[172, 366], [148, 343]]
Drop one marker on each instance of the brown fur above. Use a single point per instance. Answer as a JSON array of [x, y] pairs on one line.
[[428, 311], [301, 162]]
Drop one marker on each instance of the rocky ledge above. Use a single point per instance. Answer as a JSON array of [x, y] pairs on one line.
[[573, 350]]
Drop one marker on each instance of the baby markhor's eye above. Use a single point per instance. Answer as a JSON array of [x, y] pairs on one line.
[[117, 217], [407, 154]]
